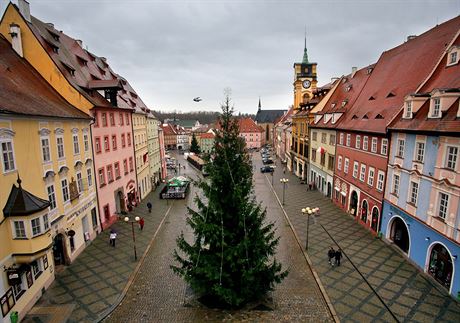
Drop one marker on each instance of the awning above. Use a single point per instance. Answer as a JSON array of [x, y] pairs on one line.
[[343, 193], [321, 150]]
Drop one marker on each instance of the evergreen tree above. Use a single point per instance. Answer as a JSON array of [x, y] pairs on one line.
[[194, 147], [231, 259]]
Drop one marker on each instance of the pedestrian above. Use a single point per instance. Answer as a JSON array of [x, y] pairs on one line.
[[149, 206], [331, 255], [284, 170], [141, 224], [338, 256], [113, 236]]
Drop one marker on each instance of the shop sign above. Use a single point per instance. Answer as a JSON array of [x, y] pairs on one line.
[[80, 210], [73, 190], [14, 277]]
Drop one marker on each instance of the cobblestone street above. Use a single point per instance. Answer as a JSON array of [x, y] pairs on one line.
[[159, 295]]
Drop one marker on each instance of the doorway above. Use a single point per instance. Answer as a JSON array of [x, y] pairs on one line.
[[329, 190], [440, 265], [353, 203], [59, 250], [364, 209], [375, 219], [399, 234]]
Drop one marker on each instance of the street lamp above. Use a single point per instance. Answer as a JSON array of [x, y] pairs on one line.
[[128, 220], [273, 166], [308, 211], [284, 181]]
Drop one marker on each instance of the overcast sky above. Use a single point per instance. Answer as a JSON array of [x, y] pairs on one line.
[[172, 51]]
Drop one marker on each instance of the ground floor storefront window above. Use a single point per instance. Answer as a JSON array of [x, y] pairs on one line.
[[440, 265]]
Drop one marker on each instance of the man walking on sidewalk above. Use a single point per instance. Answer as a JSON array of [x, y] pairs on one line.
[[331, 255], [338, 256], [113, 237]]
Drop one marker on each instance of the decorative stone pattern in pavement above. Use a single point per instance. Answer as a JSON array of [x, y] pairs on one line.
[[410, 294], [158, 295]]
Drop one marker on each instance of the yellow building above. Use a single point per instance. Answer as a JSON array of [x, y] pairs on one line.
[[153, 143], [141, 152], [47, 191]]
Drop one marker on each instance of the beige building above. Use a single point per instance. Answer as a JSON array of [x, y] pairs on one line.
[[141, 152], [153, 145]]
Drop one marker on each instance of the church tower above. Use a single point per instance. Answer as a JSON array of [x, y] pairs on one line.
[[305, 79]]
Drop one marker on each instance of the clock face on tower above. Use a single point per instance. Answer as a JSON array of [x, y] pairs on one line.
[[306, 84]]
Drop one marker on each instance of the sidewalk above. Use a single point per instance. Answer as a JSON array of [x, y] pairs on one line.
[[408, 293], [94, 282]]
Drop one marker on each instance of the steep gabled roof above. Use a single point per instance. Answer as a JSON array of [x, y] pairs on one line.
[[24, 91], [20, 202], [248, 125], [168, 129], [207, 135], [268, 116], [398, 71]]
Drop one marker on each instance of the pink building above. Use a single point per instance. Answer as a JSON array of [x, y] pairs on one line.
[[251, 132]]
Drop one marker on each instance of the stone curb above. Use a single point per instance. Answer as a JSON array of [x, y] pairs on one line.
[[133, 276], [307, 258]]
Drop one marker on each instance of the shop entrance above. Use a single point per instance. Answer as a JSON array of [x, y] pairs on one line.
[[353, 203], [375, 219], [399, 234], [364, 209], [59, 250], [440, 265]]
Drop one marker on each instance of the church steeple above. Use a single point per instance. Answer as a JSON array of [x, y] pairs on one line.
[[260, 105], [305, 54]]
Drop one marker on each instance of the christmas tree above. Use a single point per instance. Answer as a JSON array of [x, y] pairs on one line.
[[194, 147], [231, 259]]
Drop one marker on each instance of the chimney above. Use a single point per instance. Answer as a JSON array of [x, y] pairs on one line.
[[410, 37], [24, 9], [16, 40]]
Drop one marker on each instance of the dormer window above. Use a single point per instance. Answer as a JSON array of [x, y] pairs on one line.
[[408, 110], [453, 58], [332, 105], [369, 70], [348, 88], [333, 118], [436, 108], [344, 102]]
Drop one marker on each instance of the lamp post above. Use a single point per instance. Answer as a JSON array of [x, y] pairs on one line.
[[128, 220], [273, 173], [308, 211], [284, 181]]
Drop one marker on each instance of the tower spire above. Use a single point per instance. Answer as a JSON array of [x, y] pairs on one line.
[[260, 105], [305, 54]]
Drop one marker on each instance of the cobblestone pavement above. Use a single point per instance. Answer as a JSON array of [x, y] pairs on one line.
[[94, 282], [410, 295], [158, 295]]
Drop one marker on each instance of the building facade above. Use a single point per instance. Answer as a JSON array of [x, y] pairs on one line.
[[141, 152], [253, 135], [153, 145]]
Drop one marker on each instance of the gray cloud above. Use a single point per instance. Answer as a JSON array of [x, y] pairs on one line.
[[172, 51]]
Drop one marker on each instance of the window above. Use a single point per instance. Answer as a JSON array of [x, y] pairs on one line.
[[323, 138], [110, 173], [331, 139], [65, 190], [131, 164], [358, 142], [89, 173], [395, 184], [60, 147], [374, 145], [365, 143], [76, 147], [436, 107], [98, 145], [36, 268], [112, 119], [96, 119], [420, 151], [127, 119], [36, 228], [370, 176], [355, 169], [129, 139], [114, 142], [19, 230], [339, 163], [380, 180], [51, 197], [362, 174], [101, 177], [443, 205], [384, 147], [345, 165], [7, 156], [453, 58], [413, 193], [330, 162], [86, 142], [121, 119], [106, 143], [104, 119], [341, 139], [400, 152], [123, 141], [125, 166], [46, 155], [451, 158], [46, 223], [322, 159], [313, 154], [79, 183], [408, 113], [117, 170], [348, 140]]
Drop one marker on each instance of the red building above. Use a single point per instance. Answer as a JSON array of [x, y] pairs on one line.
[[362, 141]]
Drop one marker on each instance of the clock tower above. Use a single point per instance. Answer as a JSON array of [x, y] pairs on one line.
[[305, 80]]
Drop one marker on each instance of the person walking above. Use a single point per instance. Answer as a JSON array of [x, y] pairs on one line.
[[149, 206], [331, 255], [141, 224], [338, 256], [113, 237]]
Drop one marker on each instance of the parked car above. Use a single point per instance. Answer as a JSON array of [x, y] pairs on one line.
[[267, 161], [266, 169], [265, 156]]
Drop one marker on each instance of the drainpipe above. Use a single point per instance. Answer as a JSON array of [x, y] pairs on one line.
[[93, 120]]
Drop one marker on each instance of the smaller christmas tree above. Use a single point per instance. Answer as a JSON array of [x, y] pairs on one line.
[[194, 147], [231, 259]]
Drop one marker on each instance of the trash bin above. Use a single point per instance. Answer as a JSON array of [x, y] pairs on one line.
[[14, 317], [379, 235]]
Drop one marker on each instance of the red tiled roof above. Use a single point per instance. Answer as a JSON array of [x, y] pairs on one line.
[[168, 129], [248, 125], [24, 91], [398, 71], [207, 135]]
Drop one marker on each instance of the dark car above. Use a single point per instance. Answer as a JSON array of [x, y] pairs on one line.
[[267, 161], [265, 156], [266, 169]]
